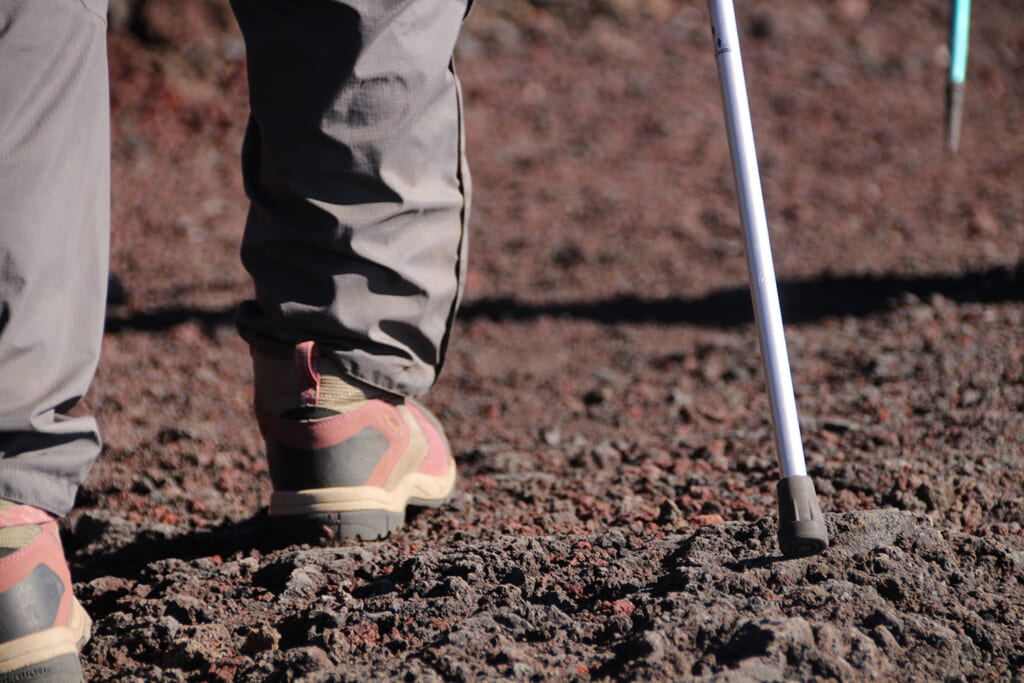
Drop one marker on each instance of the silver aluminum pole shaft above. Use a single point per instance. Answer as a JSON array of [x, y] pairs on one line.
[[801, 526], [765, 293]]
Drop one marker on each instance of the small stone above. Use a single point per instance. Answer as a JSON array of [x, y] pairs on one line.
[[885, 640], [970, 398], [552, 436], [623, 606], [888, 366], [854, 10], [521, 670], [651, 646], [171, 624], [829, 640], [983, 222], [707, 520], [619, 624], [714, 453], [610, 539], [606, 455], [261, 638], [301, 660], [670, 514], [302, 581]]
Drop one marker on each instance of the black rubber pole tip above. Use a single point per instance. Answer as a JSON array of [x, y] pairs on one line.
[[802, 528]]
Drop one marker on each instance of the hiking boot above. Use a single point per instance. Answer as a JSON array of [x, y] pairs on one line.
[[345, 458], [42, 625]]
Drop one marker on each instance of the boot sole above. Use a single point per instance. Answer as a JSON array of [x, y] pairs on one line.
[[49, 656], [355, 512]]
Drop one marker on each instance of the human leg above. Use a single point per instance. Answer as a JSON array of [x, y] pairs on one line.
[[354, 164], [54, 224], [54, 218]]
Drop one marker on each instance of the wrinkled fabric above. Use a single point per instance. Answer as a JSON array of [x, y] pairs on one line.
[[54, 241], [353, 162]]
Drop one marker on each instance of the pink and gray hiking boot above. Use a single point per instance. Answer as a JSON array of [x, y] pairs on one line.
[[345, 458], [42, 625]]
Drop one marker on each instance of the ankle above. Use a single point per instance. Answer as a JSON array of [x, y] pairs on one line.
[[307, 385]]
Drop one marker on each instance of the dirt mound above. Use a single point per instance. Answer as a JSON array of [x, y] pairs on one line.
[[893, 599]]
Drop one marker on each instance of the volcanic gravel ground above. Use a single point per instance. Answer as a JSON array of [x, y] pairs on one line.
[[603, 392]]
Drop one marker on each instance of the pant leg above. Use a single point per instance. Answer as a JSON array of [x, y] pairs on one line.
[[54, 227], [353, 162]]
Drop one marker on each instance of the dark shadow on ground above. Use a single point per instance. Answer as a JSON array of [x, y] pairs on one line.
[[802, 301], [166, 318], [151, 545]]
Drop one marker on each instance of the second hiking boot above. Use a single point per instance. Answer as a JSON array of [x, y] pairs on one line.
[[345, 459], [42, 625]]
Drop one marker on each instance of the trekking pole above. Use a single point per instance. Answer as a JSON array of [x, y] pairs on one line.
[[959, 32], [802, 528]]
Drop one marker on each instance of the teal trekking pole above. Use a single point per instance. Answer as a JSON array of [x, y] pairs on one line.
[[959, 33], [802, 528]]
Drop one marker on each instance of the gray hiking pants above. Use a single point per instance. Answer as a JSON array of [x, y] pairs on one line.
[[353, 161], [54, 217], [354, 164]]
